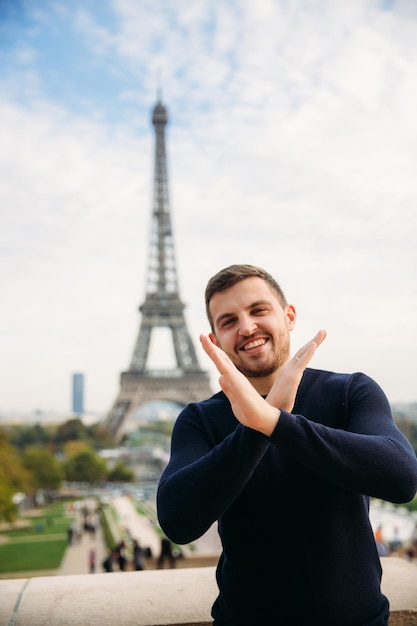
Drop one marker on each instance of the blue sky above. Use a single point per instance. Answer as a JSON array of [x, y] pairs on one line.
[[291, 144]]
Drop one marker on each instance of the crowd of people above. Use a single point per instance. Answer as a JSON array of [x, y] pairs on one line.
[[396, 546], [130, 555], [86, 520]]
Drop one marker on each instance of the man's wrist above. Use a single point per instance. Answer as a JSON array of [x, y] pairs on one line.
[[272, 421]]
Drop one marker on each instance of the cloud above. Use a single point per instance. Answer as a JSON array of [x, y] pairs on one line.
[[291, 145]]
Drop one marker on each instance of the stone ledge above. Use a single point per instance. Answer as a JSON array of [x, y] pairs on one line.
[[180, 597]]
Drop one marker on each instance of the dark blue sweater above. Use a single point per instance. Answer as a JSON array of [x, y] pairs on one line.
[[292, 509]]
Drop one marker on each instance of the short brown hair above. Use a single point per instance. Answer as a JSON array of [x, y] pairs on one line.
[[233, 274]]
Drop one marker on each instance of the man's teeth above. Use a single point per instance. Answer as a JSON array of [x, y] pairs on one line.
[[254, 344]]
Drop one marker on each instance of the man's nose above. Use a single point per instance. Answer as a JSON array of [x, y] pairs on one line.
[[247, 326]]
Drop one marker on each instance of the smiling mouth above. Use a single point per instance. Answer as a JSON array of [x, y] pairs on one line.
[[253, 344]]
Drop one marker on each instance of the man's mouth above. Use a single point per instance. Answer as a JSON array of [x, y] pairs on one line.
[[253, 344]]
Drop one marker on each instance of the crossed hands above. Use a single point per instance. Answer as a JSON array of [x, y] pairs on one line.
[[248, 406]]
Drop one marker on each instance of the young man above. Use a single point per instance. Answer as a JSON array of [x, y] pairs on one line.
[[285, 458]]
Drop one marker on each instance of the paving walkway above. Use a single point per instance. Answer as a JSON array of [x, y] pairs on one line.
[[77, 555], [136, 526], [76, 559]]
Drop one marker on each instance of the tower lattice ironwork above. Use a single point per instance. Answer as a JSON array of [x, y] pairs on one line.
[[186, 382]]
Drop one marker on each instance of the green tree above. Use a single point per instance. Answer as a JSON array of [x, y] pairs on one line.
[[14, 478], [100, 437], [23, 436], [120, 473], [46, 471], [71, 430], [8, 509], [85, 466], [409, 429]]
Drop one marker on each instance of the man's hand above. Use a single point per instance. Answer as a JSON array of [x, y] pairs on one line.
[[248, 406], [285, 387]]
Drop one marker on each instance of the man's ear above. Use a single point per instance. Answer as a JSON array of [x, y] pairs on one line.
[[291, 314], [213, 338]]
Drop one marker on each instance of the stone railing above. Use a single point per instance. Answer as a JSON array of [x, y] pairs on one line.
[[181, 597]]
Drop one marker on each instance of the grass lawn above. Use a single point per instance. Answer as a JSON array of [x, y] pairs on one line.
[[39, 544], [27, 556]]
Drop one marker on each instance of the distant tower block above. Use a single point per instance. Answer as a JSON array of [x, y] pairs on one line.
[[78, 394], [186, 382]]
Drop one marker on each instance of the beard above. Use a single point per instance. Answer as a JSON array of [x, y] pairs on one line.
[[259, 371], [264, 368]]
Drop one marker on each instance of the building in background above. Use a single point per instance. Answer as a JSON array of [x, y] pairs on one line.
[[78, 394]]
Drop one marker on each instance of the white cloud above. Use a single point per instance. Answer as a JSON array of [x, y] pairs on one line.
[[291, 145]]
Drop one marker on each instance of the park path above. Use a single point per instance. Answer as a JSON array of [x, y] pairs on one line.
[[137, 526], [141, 528], [76, 559]]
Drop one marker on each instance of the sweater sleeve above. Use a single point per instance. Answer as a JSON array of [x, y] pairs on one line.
[[370, 456], [201, 481]]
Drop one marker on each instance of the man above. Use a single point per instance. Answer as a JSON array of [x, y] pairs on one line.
[[285, 458]]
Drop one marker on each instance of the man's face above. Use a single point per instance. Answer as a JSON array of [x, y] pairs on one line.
[[252, 327]]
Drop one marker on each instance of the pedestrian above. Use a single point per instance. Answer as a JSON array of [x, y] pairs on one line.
[[396, 543], [70, 534], [92, 561], [166, 554], [282, 442], [107, 563], [381, 544], [138, 556], [121, 555]]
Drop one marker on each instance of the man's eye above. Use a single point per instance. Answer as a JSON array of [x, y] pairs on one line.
[[257, 311], [227, 322]]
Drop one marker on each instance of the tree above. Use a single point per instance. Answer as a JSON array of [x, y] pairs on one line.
[[408, 427], [14, 478], [23, 435], [8, 509], [120, 473], [71, 430], [72, 448], [46, 470], [85, 466], [100, 437]]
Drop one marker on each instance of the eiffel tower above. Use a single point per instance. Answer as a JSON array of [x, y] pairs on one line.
[[186, 382]]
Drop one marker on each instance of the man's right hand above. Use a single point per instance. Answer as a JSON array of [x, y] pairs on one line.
[[284, 390]]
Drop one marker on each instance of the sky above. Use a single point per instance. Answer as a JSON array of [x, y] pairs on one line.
[[291, 144]]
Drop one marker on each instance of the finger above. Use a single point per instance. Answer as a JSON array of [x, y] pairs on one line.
[[304, 355], [320, 337], [208, 345], [219, 358], [205, 342]]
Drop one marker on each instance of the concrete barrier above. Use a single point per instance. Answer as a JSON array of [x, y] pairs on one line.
[[179, 597]]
